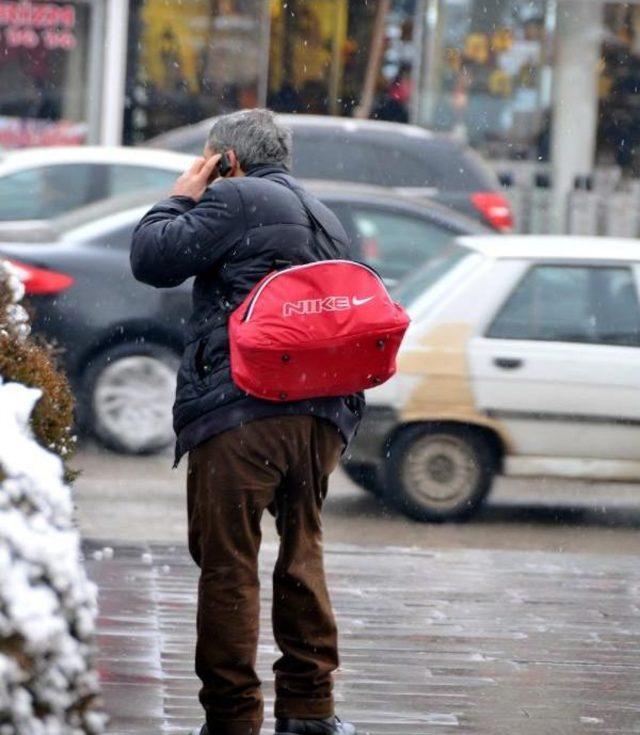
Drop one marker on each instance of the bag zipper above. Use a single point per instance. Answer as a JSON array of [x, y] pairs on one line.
[[274, 275]]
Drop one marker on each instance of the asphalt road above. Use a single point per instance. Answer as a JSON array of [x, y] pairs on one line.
[[140, 499]]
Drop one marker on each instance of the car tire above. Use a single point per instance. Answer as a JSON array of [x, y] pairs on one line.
[[127, 395], [438, 473], [364, 475]]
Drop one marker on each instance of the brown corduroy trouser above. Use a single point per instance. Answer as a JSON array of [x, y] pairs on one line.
[[281, 464]]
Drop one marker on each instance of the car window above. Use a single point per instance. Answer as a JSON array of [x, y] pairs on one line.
[[395, 243], [341, 159], [430, 273], [456, 168], [18, 195], [347, 156], [48, 191], [124, 178], [596, 305]]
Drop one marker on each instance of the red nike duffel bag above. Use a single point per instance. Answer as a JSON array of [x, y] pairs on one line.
[[327, 328]]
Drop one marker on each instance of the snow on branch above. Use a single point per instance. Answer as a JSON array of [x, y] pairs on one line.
[[14, 319]]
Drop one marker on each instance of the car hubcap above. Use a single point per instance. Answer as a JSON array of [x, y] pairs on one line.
[[133, 399], [440, 471]]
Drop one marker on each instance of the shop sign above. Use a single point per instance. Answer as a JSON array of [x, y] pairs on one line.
[[29, 25]]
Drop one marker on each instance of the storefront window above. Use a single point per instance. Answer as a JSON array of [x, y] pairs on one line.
[[395, 90], [308, 51], [490, 78], [191, 59], [319, 53], [44, 49], [619, 111]]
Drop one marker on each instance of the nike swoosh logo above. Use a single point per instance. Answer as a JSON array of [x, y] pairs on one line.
[[358, 302]]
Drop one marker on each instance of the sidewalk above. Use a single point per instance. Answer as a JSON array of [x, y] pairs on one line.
[[442, 642]]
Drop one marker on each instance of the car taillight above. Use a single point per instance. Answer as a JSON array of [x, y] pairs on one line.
[[40, 281], [495, 209]]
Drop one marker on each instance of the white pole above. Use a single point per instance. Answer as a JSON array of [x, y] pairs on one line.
[[579, 34], [115, 69]]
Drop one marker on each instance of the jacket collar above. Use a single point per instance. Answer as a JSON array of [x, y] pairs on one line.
[[266, 169]]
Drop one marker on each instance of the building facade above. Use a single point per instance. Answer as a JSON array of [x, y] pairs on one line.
[[521, 80], [111, 71]]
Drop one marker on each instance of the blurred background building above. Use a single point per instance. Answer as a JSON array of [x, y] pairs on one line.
[[522, 80]]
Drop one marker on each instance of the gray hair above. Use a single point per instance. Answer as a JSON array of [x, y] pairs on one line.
[[255, 136]]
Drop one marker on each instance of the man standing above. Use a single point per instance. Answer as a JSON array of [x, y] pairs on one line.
[[245, 454]]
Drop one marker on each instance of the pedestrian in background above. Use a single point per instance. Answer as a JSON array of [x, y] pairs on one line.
[[247, 455]]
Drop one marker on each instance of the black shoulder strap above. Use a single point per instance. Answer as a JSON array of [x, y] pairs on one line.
[[316, 224], [328, 249]]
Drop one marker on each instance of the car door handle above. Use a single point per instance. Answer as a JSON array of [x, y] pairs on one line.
[[508, 363]]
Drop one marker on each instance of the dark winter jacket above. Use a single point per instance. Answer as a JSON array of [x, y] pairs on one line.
[[241, 229]]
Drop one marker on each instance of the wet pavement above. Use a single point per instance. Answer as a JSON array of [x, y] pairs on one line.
[[454, 641]]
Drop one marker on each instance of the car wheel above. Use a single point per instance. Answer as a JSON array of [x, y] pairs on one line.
[[364, 475], [439, 473], [128, 392]]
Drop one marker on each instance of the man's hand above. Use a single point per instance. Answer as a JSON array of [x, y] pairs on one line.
[[193, 183]]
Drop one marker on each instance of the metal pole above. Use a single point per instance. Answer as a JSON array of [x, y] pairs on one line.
[[418, 43], [363, 110], [430, 81], [96, 65], [575, 97], [265, 40], [115, 69]]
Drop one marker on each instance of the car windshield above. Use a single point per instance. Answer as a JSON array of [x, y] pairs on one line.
[[424, 278]]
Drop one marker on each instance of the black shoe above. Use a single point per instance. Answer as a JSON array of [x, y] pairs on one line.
[[204, 730], [330, 726]]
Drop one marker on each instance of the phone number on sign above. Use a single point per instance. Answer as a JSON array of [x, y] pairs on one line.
[[50, 39]]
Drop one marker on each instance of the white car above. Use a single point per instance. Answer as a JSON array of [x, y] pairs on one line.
[[523, 358], [42, 183]]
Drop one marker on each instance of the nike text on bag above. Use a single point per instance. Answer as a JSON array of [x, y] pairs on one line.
[[327, 328]]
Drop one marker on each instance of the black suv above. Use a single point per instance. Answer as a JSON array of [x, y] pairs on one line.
[[405, 157]]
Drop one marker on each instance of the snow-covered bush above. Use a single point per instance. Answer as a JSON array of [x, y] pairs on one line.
[[48, 685], [27, 361], [47, 606]]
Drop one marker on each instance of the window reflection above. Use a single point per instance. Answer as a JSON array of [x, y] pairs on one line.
[[490, 82], [44, 49], [191, 60]]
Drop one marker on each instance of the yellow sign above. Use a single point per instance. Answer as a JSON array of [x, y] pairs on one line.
[[173, 41], [476, 48], [500, 84], [312, 36], [502, 40]]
